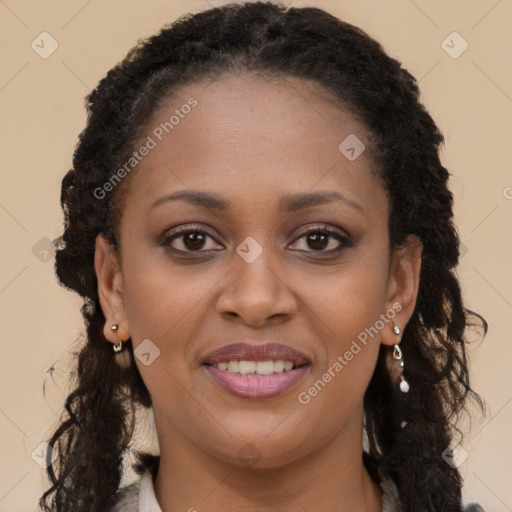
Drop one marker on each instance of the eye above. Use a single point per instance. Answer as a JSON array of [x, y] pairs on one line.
[[321, 239], [191, 239]]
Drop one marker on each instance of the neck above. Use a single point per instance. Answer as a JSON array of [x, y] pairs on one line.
[[333, 478]]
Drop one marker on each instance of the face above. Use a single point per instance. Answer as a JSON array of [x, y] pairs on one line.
[[255, 279]]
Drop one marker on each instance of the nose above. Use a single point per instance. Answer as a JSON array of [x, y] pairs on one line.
[[256, 295]]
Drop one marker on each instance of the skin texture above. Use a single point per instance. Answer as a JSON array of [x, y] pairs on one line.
[[253, 142]]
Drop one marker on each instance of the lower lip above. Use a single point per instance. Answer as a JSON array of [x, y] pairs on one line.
[[264, 386]]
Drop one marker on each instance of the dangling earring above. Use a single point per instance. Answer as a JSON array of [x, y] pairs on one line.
[[122, 357], [397, 355], [118, 345]]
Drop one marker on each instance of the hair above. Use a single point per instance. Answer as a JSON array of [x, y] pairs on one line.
[[406, 433]]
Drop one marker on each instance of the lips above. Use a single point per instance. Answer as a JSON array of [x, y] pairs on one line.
[[256, 371]]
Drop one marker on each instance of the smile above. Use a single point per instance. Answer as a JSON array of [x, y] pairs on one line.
[[256, 371], [255, 368]]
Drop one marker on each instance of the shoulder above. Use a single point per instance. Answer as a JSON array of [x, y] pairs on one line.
[[139, 496], [473, 507], [142, 491], [128, 498]]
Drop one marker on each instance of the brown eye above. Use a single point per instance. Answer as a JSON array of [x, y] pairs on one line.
[[317, 241], [321, 240], [192, 240]]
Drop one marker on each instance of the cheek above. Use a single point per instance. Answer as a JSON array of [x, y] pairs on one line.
[[349, 310], [162, 306], [351, 299], [170, 307], [159, 298], [354, 306]]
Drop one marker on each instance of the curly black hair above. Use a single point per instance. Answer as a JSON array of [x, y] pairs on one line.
[[407, 433]]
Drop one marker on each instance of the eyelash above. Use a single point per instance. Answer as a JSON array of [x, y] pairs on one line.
[[344, 240]]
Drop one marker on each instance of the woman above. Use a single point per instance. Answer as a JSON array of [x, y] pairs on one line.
[[260, 226]]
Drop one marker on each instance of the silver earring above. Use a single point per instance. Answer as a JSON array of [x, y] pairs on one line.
[[118, 345], [397, 355]]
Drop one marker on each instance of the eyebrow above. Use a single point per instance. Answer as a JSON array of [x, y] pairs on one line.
[[195, 197], [288, 203]]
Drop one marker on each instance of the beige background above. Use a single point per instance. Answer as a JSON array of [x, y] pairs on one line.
[[41, 105]]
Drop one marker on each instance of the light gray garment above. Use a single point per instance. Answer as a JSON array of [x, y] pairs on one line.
[[140, 497]]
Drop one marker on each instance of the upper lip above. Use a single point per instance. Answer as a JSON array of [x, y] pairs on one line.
[[243, 351]]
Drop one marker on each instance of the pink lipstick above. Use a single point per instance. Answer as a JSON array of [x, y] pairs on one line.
[[256, 371]]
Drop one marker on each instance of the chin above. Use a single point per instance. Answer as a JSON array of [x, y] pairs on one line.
[[263, 451]]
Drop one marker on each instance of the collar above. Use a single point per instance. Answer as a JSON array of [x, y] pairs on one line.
[[147, 497], [140, 495]]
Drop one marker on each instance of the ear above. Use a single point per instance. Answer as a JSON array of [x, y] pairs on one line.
[[110, 290], [403, 284]]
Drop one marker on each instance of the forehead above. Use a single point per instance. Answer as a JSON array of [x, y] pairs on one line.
[[240, 133], [251, 104]]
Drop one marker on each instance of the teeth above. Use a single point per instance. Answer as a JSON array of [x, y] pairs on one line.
[[245, 367], [265, 367], [253, 368], [233, 366], [279, 366]]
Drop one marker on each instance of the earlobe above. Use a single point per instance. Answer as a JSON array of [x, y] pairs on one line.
[[403, 284], [110, 290]]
